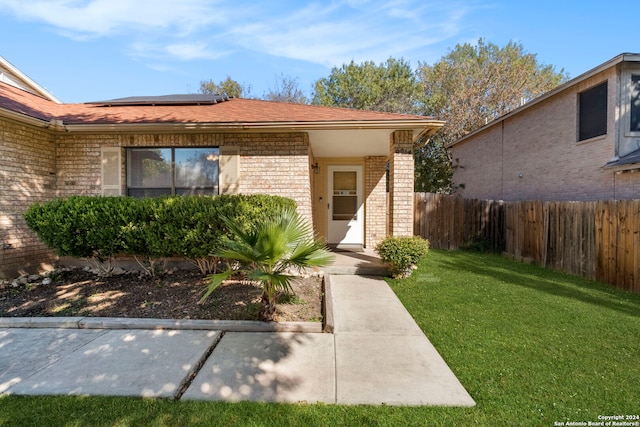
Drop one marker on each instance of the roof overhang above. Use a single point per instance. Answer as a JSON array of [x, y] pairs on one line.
[[347, 138], [426, 124], [327, 139], [626, 163]]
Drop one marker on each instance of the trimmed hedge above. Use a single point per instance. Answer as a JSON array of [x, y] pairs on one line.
[[187, 226], [402, 253]]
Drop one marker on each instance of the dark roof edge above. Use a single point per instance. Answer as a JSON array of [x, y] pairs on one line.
[[177, 99], [630, 161]]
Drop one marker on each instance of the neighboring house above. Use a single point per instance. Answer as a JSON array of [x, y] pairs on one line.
[[11, 75], [580, 141], [331, 161]]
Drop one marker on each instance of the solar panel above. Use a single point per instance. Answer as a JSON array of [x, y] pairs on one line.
[[186, 99]]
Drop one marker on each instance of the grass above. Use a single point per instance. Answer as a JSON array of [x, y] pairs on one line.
[[533, 347]]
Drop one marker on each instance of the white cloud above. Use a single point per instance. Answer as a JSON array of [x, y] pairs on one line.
[[107, 17], [191, 51], [333, 34], [327, 33]]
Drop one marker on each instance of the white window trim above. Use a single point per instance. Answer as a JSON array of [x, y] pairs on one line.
[[625, 108]]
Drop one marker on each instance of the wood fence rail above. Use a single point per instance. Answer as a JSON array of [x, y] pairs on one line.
[[596, 240]]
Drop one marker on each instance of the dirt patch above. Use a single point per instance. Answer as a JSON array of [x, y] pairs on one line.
[[170, 296]]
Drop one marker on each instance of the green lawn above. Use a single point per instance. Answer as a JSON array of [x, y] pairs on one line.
[[532, 347]]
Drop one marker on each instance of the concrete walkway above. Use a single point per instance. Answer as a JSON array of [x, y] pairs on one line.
[[375, 355]]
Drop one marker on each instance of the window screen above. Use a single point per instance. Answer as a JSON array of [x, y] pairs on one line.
[[592, 120], [166, 171]]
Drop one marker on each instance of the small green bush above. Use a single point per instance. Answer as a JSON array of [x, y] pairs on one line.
[[402, 253]]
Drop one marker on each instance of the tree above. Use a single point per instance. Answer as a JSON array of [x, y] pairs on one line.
[[433, 169], [469, 87], [388, 87], [286, 90], [269, 251], [473, 85], [228, 86]]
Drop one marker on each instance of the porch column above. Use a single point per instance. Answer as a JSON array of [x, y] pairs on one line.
[[401, 184]]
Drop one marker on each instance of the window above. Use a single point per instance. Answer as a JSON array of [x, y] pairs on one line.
[[592, 114], [635, 104], [172, 171]]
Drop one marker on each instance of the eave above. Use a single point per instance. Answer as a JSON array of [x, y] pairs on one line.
[[256, 126]]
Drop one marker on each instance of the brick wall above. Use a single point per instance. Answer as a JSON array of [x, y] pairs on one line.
[[270, 163], [275, 164], [535, 154], [401, 193], [27, 175], [376, 200], [627, 185], [38, 166]]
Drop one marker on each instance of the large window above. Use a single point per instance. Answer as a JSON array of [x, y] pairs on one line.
[[172, 171], [592, 115], [635, 104]]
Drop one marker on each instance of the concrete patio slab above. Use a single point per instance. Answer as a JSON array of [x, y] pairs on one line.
[[26, 352], [394, 370], [365, 262], [147, 363], [268, 367]]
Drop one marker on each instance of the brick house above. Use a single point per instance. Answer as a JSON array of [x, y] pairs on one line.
[[331, 161], [580, 141]]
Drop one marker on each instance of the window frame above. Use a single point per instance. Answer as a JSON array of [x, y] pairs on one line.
[[206, 190], [627, 76], [580, 113]]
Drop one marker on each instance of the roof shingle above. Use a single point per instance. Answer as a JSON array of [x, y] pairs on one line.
[[234, 111]]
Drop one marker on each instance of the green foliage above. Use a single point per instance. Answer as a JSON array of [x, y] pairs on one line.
[[76, 226], [469, 87], [433, 167], [270, 251], [389, 87], [474, 84], [228, 86], [492, 319], [402, 253], [186, 226]]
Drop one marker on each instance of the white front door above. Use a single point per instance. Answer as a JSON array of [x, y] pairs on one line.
[[345, 207]]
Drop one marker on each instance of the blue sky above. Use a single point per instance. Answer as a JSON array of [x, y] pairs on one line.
[[90, 50]]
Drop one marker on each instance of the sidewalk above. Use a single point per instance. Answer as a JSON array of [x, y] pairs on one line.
[[375, 355]]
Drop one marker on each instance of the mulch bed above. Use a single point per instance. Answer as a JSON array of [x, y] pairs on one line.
[[173, 295]]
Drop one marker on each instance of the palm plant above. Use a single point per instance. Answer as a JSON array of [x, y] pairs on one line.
[[271, 252]]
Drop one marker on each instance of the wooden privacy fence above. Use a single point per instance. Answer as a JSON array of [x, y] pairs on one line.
[[451, 222], [596, 240]]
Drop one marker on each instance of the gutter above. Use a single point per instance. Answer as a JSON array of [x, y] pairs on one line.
[[430, 126], [24, 118]]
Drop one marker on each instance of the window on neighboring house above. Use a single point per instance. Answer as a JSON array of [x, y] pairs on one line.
[[592, 114], [172, 171], [635, 103]]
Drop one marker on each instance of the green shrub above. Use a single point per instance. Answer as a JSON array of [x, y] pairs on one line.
[[402, 253], [97, 228], [84, 227]]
